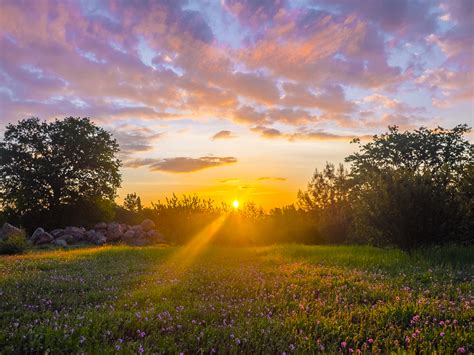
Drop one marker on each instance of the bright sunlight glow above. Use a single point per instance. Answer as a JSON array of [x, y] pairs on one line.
[[235, 204]]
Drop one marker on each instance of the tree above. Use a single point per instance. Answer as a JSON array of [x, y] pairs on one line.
[[132, 202], [326, 199], [444, 154], [411, 188], [45, 166]]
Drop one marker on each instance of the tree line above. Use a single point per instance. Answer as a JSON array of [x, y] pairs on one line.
[[406, 189]]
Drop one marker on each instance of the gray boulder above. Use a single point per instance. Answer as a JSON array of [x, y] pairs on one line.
[[69, 239], [100, 226], [8, 230], [93, 236], [59, 242], [128, 235], [155, 236], [114, 232], [36, 234], [43, 238], [147, 225], [56, 233]]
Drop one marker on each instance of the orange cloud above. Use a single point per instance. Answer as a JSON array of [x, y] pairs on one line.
[[181, 164]]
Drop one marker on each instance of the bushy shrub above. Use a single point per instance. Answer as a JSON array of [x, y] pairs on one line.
[[14, 244], [407, 210]]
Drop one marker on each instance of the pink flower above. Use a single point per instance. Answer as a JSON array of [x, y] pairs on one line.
[[343, 344], [371, 341], [441, 334], [351, 350], [461, 350]]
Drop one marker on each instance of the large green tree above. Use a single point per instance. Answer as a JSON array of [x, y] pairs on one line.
[[49, 165], [412, 188]]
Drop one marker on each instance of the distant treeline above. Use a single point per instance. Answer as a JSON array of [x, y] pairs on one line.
[[406, 189]]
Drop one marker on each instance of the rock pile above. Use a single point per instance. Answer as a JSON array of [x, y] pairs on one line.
[[8, 230], [141, 234]]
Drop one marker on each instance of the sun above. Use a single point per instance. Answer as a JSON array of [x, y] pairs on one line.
[[235, 204]]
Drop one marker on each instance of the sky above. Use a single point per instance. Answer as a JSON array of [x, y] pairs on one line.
[[237, 99]]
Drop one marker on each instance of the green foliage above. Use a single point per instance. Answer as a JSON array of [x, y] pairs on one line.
[[45, 167], [259, 300], [326, 199], [14, 244], [413, 188]]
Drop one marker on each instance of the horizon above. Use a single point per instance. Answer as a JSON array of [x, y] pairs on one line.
[[237, 101]]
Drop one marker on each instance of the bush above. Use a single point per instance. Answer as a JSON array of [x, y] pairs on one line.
[[407, 210], [14, 244]]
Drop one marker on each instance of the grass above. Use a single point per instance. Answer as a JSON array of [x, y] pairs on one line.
[[289, 298]]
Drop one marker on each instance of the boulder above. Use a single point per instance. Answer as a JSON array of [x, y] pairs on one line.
[[128, 235], [147, 225], [100, 226], [36, 234], [93, 236], [9, 230], [69, 239], [59, 242], [81, 230], [155, 236], [56, 233], [43, 238], [114, 232], [79, 234], [137, 228]]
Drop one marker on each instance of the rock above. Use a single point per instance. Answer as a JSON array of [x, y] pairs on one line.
[[79, 234], [147, 225], [36, 234], [114, 232], [56, 233], [130, 234], [43, 238], [95, 237], [155, 236], [9, 230], [100, 226], [78, 230], [137, 228], [69, 239], [59, 242]]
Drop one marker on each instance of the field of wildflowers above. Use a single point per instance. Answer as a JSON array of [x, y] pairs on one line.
[[279, 299]]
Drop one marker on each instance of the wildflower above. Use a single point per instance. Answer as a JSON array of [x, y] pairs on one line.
[[441, 334], [140, 349], [461, 350], [82, 339], [351, 350], [371, 341], [117, 347], [343, 344]]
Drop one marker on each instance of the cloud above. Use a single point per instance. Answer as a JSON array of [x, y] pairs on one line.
[[181, 164], [223, 135], [256, 63], [271, 178], [134, 139], [303, 134]]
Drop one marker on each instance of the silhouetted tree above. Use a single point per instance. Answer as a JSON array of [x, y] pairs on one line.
[[45, 166], [132, 202], [326, 199], [409, 188]]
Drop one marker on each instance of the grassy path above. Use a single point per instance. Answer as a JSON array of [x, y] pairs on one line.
[[256, 300]]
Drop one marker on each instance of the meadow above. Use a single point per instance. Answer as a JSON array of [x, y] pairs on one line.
[[274, 299]]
